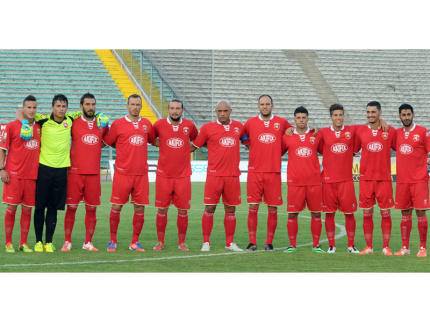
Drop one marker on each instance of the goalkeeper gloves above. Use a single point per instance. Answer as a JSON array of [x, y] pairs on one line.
[[102, 120], [26, 130]]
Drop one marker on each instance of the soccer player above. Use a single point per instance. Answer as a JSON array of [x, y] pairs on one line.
[[303, 180], [173, 183], [375, 175], [19, 173], [265, 133], [412, 191], [223, 142], [83, 182], [130, 136], [336, 146]]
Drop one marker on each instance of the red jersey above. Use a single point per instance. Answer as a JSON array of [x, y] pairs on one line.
[[375, 145], [265, 139], [174, 159], [223, 143], [22, 160], [131, 143], [411, 158], [86, 150], [337, 149], [303, 167]]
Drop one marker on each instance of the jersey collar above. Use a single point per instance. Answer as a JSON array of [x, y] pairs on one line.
[[331, 127], [126, 117], [307, 131], [259, 116], [83, 119], [168, 120], [220, 122], [411, 129]]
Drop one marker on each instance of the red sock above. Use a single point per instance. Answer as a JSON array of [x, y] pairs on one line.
[[386, 227], [316, 227], [25, 224], [69, 222], [90, 222], [138, 220], [330, 228], [422, 229], [252, 225], [230, 227], [368, 228], [114, 223], [161, 223], [350, 224], [293, 229], [9, 222], [272, 222], [207, 225], [405, 229], [182, 224]]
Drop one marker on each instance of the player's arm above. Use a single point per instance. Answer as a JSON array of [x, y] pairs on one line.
[[26, 129], [156, 143], [4, 175], [384, 125], [200, 140]]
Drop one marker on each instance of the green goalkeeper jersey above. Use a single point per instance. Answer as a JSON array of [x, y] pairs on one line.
[[55, 139]]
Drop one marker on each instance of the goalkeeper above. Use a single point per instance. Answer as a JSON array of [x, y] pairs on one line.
[[51, 184]]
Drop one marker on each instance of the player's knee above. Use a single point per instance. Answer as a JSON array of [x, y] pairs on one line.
[[210, 208]]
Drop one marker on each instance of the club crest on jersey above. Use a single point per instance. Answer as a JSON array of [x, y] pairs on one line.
[[385, 135], [348, 135], [227, 142], [185, 130], [277, 126], [32, 144], [406, 149], [145, 129], [136, 140], [303, 152], [66, 125], [236, 130], [38, 131], [416, 137], [312, 139]]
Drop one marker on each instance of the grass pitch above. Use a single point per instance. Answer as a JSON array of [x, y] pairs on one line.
[[218, 259]]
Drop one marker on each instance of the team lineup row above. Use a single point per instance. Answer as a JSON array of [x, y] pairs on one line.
[[50, 161]]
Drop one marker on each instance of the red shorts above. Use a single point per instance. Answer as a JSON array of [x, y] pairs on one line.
[[173, 190], [123, 186], [228, 187], [83, 187], [412, 195], [267, 184], [382, 191], [339, 195], [20, 191], [299, 196]]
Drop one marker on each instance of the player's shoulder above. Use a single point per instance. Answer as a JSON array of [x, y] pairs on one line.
[[236, 123], [421, 128], [252, 119]]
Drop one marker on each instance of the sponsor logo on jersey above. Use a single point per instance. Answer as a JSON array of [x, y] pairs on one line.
[[66, 125], [339, 148], [136, 140], [348, 135], [384, 135], [416, 137], [175, 143], [406, 149], [227, 142], [185, 130], [375, 147], [267, 138], [236, 130], [277, 126], [90, 139], [312, 139], [31, 145], [303, 152]]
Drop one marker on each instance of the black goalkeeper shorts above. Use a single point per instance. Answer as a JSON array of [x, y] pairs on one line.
[[51, 187]]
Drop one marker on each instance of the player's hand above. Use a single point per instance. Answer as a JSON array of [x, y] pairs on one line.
[[156, 143], [102, 120], [384, 125], [289, 131], [314, 128], [4, 176], [26, 130]]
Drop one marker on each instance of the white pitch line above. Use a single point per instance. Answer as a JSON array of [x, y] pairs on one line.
[[337, 236]]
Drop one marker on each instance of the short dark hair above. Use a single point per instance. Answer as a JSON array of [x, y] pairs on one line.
[[133, 96], [29, 98], [60, 97], [336, 107], [374, 103], [87, 95], [271, 100], [178, 101], [405, 107], [301, 109]]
